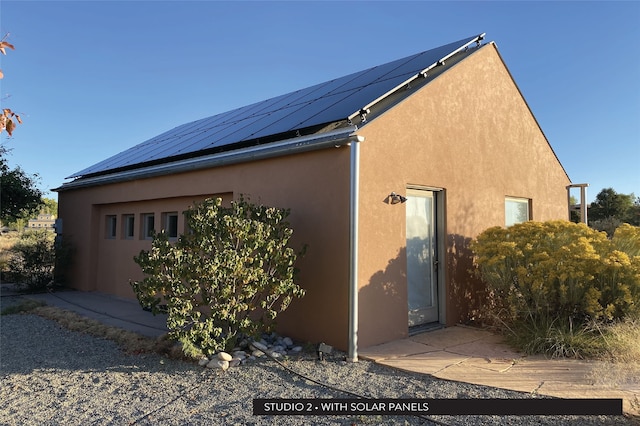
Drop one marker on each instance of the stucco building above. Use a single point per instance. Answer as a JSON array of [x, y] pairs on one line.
[[388, 172], [43, 221]]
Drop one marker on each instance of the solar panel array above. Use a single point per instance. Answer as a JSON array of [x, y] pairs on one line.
[[324, 103]]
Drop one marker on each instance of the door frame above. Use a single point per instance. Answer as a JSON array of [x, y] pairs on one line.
[[439, 198]]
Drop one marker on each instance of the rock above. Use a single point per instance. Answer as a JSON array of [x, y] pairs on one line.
[[287, 341], [203, 362], [296, 349], [218, 363], [235, 362], [257, 353], [259, 345], [224, 356], [277, 348], [240, 354]]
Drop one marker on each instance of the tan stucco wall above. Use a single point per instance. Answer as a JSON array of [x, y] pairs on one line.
[[470, 133], [315, 186]]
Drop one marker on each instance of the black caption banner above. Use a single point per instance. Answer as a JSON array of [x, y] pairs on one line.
[[511, 407]]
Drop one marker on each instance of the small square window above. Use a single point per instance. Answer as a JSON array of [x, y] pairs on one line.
[[111, 226], [170, 224], [148, 226], [128, 221], [516, 210]]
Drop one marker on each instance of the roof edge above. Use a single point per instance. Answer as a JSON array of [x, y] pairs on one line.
[[335, 138], [423, 73]]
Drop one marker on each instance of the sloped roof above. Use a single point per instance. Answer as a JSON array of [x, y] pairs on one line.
[[316, 109]]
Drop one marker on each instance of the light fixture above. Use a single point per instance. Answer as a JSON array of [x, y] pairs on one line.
[[395, 198]]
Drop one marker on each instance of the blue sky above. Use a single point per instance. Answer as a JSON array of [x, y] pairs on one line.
[[93, 78]]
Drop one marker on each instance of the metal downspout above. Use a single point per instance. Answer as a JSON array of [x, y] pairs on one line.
[[353, 249]]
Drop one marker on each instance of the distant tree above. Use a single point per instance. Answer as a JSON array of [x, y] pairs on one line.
[[19, 196], [610, 209], [49, 206], [609, 203], [633, 215]]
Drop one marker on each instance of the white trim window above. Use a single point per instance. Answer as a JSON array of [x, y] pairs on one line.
[[128, 223], [516, 210], [112, 221], [170, 224], [148, 226]]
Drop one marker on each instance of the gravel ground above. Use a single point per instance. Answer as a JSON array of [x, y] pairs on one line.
[[53, 376]]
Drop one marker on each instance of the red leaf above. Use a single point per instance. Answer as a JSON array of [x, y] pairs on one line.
[[4, 44], [10, 127]]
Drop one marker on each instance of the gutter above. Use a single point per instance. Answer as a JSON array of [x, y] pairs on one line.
[[335, 138]]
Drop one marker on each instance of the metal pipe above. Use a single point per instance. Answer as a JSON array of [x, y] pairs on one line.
[[353, 249], [583, 204]]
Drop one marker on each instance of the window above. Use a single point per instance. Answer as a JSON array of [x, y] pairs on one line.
[[111, 226], [516, 210], [128, 221], [170, 224], [148, 226]]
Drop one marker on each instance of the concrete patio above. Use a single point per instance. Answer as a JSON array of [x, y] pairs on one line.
[[472, 355]]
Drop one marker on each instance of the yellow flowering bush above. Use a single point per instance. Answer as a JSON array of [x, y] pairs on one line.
[[559, 271], [627, 239]]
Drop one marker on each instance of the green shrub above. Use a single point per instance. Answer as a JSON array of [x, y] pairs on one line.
[[37, 261], [7, 241], [558, 275], [32, 261], [229, 275]]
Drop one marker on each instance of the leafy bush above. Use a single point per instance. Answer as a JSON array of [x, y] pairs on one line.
[[37, 261], [228, 276], [7, 241], [556, 277], [32, 260], [608, 225]]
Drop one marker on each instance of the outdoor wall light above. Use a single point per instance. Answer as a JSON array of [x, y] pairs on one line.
[[395, 198]]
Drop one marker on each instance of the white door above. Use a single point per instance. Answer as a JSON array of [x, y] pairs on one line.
[[421, 257]]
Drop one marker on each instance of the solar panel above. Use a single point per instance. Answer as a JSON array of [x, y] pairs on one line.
[[324, 103]]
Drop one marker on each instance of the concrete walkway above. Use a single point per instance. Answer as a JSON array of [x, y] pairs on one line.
[[105, 308], [459, 353], [471, 355]]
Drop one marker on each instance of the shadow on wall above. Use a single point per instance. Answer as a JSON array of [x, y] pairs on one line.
[[383, 303], [466, 292]]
